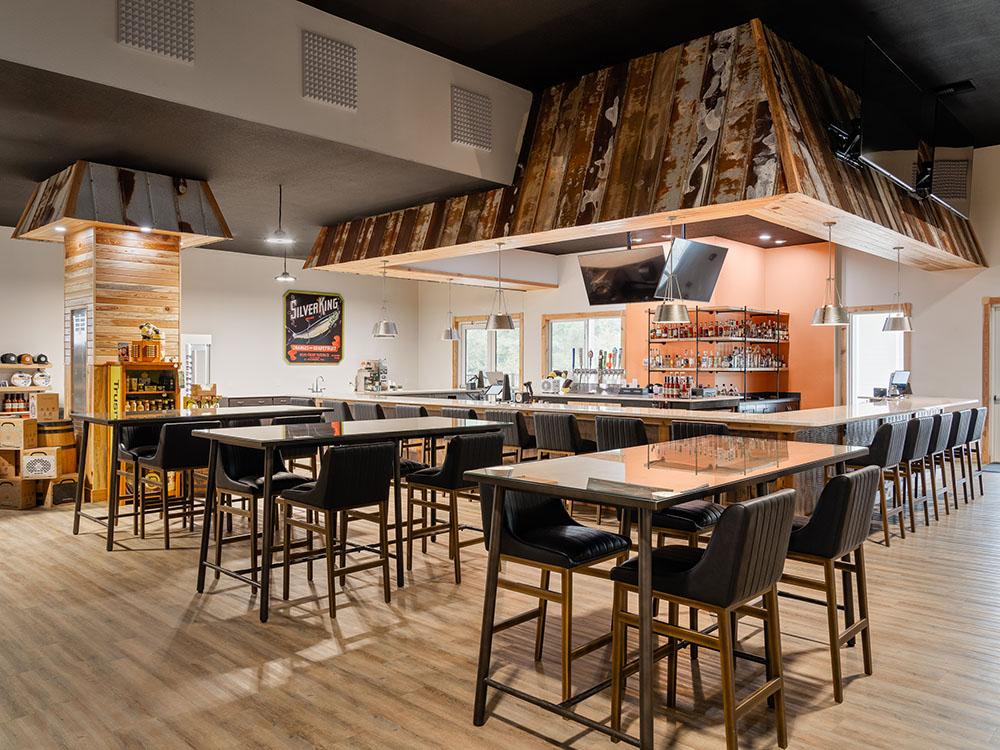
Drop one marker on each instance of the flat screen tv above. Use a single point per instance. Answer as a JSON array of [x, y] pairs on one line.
[[951, 170], [893, 117], [697, 266], [617, 277]]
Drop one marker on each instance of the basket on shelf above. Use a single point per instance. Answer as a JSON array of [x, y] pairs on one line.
[[146, 351]]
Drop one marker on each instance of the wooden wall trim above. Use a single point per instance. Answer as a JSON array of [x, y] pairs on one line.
[[987, 401]]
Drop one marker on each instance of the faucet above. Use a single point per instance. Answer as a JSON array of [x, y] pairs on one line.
[[316, 388]]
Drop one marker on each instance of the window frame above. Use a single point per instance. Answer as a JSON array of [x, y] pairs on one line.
[[458, 321], [548, 319], [844, 337]]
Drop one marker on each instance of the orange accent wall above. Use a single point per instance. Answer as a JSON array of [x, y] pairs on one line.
[[788, 278]]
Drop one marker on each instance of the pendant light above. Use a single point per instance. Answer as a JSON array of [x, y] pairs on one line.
[[278, 237], [499, 319], [672, 311], [898, 321], [385, 328], [449, 334], [831, 312]]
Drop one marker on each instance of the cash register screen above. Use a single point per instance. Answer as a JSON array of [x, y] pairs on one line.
[[494, 390], [900, 378]]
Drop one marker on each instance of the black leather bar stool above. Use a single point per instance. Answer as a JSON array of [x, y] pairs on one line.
[[743, 562], [410, 411], [365, 410], [339, 411], [682, 430], [465, 453], [940, 433], [240, 473], [885, 452], [351, 478], [619, 432], [916, 446], [538, 533], [559, 435], [451, 412], [295, 456], [137, 441], [516, 438], [974, 445], [837, 528], [177, 450], [955, 452]]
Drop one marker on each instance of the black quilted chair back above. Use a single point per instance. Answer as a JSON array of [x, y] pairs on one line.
[[354, 476], [522, 511], [365, 410], [410, 411], [179, 450], [620, 432], [886, 448], [940, 432], [515, 426], [455, 412], [842, 517], [681, 430], [470, 452], [139, 435], [959, 428], [298, 419], [557, 432], [237, 462], [918, 438], [977, 424], [746, 553], [338, 412]]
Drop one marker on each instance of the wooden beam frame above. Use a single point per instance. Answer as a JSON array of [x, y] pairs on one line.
[[843, 355], [549, 317], [457, 322], [988, 303]]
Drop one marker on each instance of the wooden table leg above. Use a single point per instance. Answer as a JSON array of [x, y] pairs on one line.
[[81, 475], [645, 628], [265, 568], [489, 607], [113, 495], [397, 509], [206, 521]]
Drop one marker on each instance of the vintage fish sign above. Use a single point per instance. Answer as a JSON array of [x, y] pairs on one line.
[[314, 328]]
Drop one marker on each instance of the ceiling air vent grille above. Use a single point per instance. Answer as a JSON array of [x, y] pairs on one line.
[[329, 70], [471, 119], [951, 179], [163, 27]]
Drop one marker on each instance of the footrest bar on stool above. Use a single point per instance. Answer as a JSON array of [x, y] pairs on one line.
[[233, 574]]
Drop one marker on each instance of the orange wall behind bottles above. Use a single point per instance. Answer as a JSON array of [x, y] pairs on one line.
[[790, 279]]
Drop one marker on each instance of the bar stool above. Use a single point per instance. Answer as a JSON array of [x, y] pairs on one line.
[[339, 411], [350, 478], [538, 533], [515, 432], [240, 473], [940, 433], [885, 452], [177, 450], [619, 432], [364, 410], [294, 456], [742, 562], [465, 453], [916, 446], [451, 412], [955, 452], [559, 435], [837, 528], [974, 444], [137, 441], [409, 411], [682, 430]]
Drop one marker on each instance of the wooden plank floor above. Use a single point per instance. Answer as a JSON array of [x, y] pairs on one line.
[[117, 650]]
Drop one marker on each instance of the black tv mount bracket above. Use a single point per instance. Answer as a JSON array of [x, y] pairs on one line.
[[846, 145]]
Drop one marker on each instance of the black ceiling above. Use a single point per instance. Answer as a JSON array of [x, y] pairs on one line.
[[534, 43]]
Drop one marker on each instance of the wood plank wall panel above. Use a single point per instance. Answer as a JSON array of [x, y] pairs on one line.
[[735, 116]]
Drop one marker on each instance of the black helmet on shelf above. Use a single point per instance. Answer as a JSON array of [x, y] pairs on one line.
[[8, 359], [41, 359]]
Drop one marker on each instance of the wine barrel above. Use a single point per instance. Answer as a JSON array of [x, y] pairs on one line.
[[56, 434]]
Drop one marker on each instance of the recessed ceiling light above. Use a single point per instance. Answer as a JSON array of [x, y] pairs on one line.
[[145, 230], [780, 242], [59, 229], [764, 237]]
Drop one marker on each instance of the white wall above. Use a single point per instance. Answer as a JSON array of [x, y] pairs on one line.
[[248, 65], [946, 343]]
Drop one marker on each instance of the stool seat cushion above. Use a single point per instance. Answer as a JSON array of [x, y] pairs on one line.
[[408, 466], [694, 515], [139, 451], [434, 476], [671, 565], [301, 493], [280, 481], [566, 546], [587, 445]]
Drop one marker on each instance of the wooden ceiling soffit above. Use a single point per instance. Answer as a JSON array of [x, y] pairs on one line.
[[87, 194], [729, 124]]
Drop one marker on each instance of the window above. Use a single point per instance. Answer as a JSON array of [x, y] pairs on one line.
[[486, 351], [872, 353], [593, 333]]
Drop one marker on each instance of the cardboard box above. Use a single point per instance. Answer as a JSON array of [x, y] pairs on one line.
[[9, 464], [18, 434], [18, 494], [44, 406], [39, 463]]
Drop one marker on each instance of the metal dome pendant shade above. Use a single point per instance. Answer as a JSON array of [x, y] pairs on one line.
[[500, 319], [449, 334], [831, 312], [898, 321], [672, 311], [385, 328]]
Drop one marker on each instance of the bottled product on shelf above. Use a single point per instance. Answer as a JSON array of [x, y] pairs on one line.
[[15, 402]]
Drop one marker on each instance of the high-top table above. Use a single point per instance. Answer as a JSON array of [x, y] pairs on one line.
[[645, 479], [116, 422], [274, 438]]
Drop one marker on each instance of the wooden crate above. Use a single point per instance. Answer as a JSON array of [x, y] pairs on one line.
[[44, 406], [18, 433], [59, 491], [10, 463], [18, 494]]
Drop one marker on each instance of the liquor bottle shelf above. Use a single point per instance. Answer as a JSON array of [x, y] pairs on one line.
[[716, 339]]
